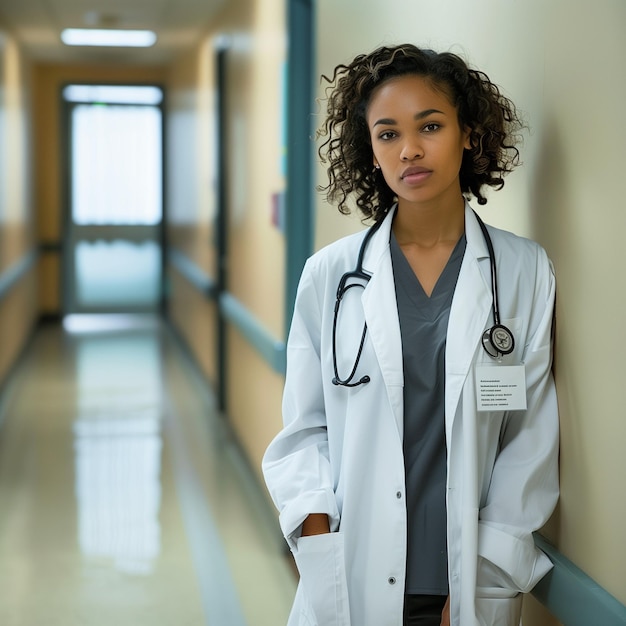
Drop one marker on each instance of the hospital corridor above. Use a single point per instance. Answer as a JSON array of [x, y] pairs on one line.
[[125, 499], [162, 187]]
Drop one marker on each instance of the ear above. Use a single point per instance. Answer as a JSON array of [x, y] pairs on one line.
[[467, 144], [376, 165]]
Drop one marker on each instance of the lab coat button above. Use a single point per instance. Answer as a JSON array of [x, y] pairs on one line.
[[392, 580], [398, 494]]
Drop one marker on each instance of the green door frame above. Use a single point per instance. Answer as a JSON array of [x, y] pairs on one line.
[[300, 186]]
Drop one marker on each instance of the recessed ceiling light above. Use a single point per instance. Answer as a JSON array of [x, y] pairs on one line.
[[108, 37]]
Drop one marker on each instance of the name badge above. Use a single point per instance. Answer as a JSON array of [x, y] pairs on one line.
[[501, 388]]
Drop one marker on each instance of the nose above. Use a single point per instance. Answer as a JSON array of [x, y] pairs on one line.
[[411, 150]]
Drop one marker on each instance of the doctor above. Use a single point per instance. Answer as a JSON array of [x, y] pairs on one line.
[[420, 440]]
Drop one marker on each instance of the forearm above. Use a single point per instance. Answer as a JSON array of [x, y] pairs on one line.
[[315, 524]]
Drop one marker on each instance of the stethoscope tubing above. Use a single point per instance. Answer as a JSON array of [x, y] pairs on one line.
[[348, 381], [360, 274], [497, 340], [498, 332], [492, 262]]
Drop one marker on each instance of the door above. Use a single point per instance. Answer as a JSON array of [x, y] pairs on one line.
[[113, 237]]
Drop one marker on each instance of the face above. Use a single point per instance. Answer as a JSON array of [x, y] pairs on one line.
[[417, 141]]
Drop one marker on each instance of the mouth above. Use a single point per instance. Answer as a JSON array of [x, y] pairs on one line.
[[414, 171]]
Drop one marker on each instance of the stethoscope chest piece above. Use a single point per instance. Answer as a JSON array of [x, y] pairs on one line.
[[498, 341]]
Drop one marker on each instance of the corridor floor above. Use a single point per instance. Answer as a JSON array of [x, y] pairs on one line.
[[124, 500]]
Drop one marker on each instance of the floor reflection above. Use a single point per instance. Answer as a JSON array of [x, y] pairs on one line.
[[125, 497], [118, 444]]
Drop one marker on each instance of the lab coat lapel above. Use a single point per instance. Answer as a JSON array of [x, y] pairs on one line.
[[381, 315], [469, 314]]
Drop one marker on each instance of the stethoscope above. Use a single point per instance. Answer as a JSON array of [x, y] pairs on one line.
[[497, 340]]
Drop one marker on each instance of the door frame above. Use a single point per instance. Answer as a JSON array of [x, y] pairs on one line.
[[222, 216], [300, 190]]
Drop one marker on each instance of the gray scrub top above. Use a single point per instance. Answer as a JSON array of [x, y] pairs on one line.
[[423, 326]]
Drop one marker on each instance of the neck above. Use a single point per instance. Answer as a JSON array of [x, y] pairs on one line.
[[428, 226]]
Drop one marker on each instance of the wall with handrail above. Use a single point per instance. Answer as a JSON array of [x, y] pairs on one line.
[[226, 258], [564, 68], [18, 294]]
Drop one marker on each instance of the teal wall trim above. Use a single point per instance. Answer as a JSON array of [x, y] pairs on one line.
[[15, 272], [574, 598], [300, 148], [8, 279], [270, 348], [192, 272]]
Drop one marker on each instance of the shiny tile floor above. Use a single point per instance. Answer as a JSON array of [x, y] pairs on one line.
[[124, 500]]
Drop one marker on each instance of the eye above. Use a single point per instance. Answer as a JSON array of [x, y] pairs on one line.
[[431, 127], [387, 135]]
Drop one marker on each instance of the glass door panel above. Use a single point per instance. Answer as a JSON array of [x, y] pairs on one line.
[[113, 246], [117, 273]]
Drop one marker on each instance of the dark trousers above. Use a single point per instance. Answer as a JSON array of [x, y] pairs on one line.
[[421, 610]]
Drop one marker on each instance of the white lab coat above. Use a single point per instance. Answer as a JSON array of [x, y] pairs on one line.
[[340, 451]]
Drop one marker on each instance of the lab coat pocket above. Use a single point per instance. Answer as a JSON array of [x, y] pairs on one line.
[[496, 606], [321, 563]]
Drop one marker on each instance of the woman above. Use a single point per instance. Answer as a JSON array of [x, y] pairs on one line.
[[419, 451]]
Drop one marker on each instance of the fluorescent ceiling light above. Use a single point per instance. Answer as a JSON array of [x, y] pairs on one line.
[[113, 94], [108, 37]]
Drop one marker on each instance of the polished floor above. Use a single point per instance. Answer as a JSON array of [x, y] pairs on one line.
[[124, 500]]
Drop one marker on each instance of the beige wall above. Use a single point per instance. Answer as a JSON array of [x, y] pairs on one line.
[[562, 63], [47, 82], [18, 308], [190, 197], [254, 30]]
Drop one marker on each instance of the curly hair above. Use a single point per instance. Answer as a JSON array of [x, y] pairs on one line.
[[492, 118]]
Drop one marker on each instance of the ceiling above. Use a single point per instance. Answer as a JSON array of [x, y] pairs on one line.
[[37, 25]]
